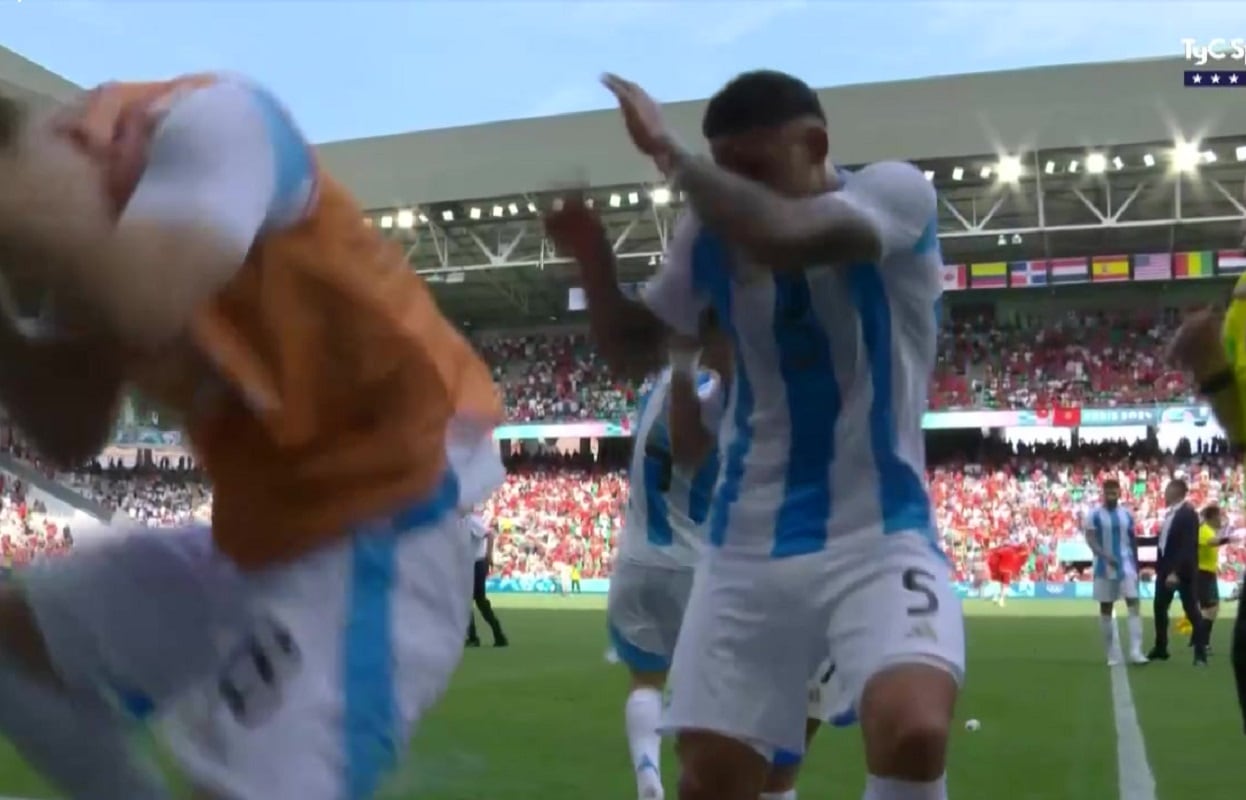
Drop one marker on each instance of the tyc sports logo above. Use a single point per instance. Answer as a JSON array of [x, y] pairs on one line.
[[1216, 53]]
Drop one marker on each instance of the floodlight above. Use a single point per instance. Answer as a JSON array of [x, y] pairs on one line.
[[1240, 153], [1009, 169], [447, 216], [498, 211], [1096, 164], [406, 219], [1049, 168], [512, 209], [531, 208], [1149, 160], [423, 219], [984, 173], [958, 173], [387, 222], [1185, 156], [1117, 163], [660, 196], [633, 198], [1074, 165], [1208, 156], [474, 213], [615, 201], [928, 175]]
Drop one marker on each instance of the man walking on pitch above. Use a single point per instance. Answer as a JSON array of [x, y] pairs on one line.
[[1177, 572], [482, 549]]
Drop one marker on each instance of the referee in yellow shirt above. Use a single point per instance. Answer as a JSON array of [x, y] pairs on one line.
[[1213, 350], [1209, 543]]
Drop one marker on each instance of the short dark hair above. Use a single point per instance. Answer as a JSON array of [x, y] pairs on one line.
[[1211, 513], [1111, 483], [1180, 486], [759, 99], [11, 114]]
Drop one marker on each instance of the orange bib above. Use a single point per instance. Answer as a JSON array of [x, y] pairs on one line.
[[336, 375]]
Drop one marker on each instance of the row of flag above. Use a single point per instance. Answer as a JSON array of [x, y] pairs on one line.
[[1096, 269]]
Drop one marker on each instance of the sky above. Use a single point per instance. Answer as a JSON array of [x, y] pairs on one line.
[[356, 68]]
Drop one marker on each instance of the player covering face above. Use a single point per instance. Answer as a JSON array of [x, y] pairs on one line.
[[197, 251], [821, 531]]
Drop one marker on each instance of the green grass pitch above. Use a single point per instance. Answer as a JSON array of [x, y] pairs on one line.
[[543, 718]]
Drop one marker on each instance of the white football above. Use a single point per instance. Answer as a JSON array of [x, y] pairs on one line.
[[972, 725]]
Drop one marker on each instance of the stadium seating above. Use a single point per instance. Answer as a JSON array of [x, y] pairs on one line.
[[555, 511]]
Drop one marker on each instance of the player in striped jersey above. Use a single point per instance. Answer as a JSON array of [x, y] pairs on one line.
[[822, 531], [674, 467], [1112, 537]]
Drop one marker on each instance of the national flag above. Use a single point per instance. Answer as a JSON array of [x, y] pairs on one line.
[[992, 275], [1069, 270], [1231, 262], [1153, 267], [1192, 265], [954, 277], [1027, 273], [1109, 268]]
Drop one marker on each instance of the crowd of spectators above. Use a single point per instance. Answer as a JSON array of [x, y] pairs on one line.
[[1080, 358], [555, 512]]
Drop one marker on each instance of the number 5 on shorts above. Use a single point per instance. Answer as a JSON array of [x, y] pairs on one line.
[[919, 581], [251, 685]]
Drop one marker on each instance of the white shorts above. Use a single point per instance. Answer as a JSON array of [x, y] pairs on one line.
[[756, 629], [644, 611], [829, 701], [302, 682], [1109, 590]]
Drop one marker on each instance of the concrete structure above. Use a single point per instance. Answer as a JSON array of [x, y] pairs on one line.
[[24, 78], [464, 202]]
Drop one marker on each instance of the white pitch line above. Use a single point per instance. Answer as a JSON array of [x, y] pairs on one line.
[[1133, 770]]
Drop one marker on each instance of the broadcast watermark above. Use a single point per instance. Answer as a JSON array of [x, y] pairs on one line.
[[1219, 53]]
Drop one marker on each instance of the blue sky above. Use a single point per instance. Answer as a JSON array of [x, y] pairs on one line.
[[352, 68]]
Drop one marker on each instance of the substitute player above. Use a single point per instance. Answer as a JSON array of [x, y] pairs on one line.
[[674, 467], [1112, 537], [204, 257], [822, 532]]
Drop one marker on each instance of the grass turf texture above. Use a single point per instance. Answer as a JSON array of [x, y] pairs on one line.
[[543, 718]]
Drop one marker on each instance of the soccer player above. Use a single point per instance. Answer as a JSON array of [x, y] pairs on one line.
[[1112, 537], [823, 540], [674, 468], [203, 256], [482, 545]]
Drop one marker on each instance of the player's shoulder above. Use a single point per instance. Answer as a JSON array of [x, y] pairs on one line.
[[901, 177]]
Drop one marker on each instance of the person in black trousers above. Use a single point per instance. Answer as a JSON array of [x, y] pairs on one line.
[[482, 540], [1177, 573]]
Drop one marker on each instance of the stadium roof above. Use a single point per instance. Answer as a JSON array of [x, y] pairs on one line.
[[1013, 111], [25, 79]]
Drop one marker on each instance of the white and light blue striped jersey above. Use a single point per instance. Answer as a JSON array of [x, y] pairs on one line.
[[668, 506], [822, 436], [1111, 531]]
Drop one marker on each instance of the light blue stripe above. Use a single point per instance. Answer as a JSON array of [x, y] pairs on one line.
[[291, 154], [813, 406], [636, 658], [372, 728], [902, 497], [1118, 551], [658, 531], [1096, 521], [372, 720]]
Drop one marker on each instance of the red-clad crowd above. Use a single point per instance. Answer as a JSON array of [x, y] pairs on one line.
[[1078, 359]]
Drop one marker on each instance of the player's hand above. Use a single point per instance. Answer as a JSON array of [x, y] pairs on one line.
[[1196, 346], [643, 117], [576, 231]]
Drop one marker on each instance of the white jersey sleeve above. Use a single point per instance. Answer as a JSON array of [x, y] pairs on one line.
[[228, 157], [713, 400], [672, 294], [896, 197]]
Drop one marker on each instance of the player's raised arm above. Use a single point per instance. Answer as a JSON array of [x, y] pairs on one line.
[[888, 206], [1208, 348], [209, 175], [698, 396]]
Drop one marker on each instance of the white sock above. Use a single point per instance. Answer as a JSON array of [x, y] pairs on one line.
[[877, 788], [790, 794], [643, 715], [1135, 630], [1111, 636]]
